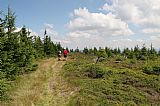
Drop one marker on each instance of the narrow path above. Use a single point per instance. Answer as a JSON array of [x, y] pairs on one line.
[[44, 87]]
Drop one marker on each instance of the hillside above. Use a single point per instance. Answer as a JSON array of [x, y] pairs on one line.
[[111, 83], [79, 81]]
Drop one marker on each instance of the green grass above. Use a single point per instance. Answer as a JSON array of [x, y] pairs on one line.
[[43, 87], [118, 83]]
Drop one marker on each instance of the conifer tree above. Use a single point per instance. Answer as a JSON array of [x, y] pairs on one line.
[[26, 49], [38, 46], [143, 53], [77, 50], [58, 46], [10, 20], [137, 52], [108, 51], [95, 50], [85, 50], [152, 53]]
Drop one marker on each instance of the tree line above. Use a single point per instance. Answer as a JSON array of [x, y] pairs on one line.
[[18, 50], [138, 53]]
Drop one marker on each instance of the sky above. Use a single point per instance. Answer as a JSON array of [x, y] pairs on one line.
[[90, 23]]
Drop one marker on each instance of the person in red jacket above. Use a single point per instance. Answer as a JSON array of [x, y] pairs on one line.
[[65, 52]]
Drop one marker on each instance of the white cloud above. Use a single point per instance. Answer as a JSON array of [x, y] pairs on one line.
[[55, 36], [142, 12], [99, 23], [83, 41], [50, 30], [155, 41], [93, 29], [108, 28], [85, 25], [126, 43], [151, 30], [49, 26], [33, 33]]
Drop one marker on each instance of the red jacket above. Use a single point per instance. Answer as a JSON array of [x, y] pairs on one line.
[[65, 52]]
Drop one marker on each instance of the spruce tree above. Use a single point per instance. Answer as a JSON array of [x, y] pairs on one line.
[[95, 50], [38, 46], [85, 50]]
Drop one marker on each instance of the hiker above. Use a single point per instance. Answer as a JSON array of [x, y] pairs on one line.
[[59, 55], [65, 52]]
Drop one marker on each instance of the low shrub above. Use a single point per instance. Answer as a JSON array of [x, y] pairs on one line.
[[120, 58], [94, 71], [4, 88], [143, 58], [31, 68], [152, 70]]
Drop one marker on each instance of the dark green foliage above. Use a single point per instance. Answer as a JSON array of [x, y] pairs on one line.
[[39, 47], [10, 21], [26, 50], [18, 50], [58, 47], [77, 50], [108, 51], [31, 68], [94, 71], [101, 53], [4, 88], [152, 70], [85, 50], [136, 53], [95, 50], [49, 47], [71, 50]]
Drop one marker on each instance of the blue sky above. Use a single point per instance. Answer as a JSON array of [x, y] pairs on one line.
[[35, 13], [113, 23]]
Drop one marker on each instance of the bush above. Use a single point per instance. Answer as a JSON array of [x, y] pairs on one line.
[[133, 61], [31, 68], [152, 70], [4, 88], [120, 58], [94, 71]]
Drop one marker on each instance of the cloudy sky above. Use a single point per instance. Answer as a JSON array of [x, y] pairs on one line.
[[89, 23]]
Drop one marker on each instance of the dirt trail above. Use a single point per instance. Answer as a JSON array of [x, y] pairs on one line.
[[44, 87]]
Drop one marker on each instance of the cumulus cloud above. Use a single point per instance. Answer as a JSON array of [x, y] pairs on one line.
[[93, 29], [142, 12], [112, 26], [97, 23], [85, 25]]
